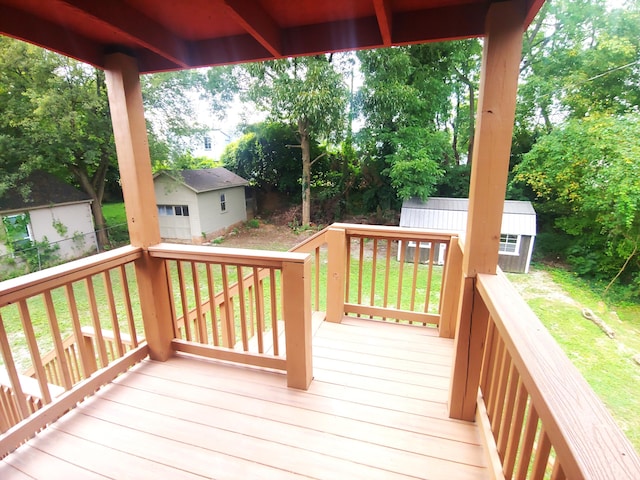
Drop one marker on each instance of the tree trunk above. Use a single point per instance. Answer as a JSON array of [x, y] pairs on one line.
[[95, 189], [472, 122], [303, 130]]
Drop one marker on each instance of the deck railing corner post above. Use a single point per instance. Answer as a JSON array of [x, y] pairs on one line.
[[153, 288], [336, 278], [296, 312]]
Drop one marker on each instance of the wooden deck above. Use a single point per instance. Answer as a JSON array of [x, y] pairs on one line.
[[376, 410]]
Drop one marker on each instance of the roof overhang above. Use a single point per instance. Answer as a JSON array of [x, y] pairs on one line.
[[172, 35]]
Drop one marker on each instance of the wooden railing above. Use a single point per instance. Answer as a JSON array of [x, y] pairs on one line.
[[244, 306], [544, 421], [394, 274], [46, 369]]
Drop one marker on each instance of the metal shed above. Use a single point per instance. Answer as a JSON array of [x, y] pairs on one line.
[[517, 233]]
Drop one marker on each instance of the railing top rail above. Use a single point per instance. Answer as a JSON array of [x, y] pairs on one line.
[[310, 243], [584, 434], [34, 283], [227, 256], [403, 233]]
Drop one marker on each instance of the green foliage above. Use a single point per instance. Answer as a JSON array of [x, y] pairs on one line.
[[406, 145], [262, 157], [59, 227], [585, 176]]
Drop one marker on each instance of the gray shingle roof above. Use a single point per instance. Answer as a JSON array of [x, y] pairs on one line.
[[450, 215], [40, 189], [207, 179]]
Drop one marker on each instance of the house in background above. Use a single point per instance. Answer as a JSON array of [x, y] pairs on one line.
[[517, 233], [43, 208], [198, 205]]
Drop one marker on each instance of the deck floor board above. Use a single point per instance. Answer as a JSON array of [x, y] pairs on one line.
[[368, 414]]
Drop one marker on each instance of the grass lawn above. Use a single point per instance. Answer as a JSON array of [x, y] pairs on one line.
[[116, 218], [558, 297]]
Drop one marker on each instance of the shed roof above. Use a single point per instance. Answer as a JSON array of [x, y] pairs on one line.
[[206, 179], [450, 215], [40, 189], [171, 35]]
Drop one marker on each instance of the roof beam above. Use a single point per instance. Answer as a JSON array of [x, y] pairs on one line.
[[332, 36], [443, 23], [229, 50], [258, 23], [30, 28], [139, 28], [385, 19]]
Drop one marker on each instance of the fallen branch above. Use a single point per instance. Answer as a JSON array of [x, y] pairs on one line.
[[589, 315]]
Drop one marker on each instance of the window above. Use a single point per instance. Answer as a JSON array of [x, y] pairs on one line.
[[207, 143], [509, 244], [18, 231], [171, 210], [182, 210], [223, 203], [165, 210]]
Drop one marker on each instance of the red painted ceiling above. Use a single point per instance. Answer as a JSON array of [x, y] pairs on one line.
[[175, 34]]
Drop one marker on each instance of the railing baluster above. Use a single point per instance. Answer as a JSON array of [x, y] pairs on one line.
[[274, 313], [88, 362], [347, 286], [34, 351], [531, 427], [515, 433], [133, 335], [374, 271], [414, 281], [226, 310], [499, 404], [184, 302], [386, 275], [200, 323], [212, 304], [61, 363], [496, 369], [91, 294], [434, 247], [360, 269], [403, 249], [243, 312], [541, 457], [557, 473], [14, 379], [259, 308], [317, 278], [115, 325], [510, 400]]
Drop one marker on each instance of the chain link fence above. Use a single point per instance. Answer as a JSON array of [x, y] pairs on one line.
[[45, 254]]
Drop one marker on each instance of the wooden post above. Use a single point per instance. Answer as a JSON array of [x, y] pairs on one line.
[[130, 133], [491, 150], [451, 284], [336, 264], [296, 311]]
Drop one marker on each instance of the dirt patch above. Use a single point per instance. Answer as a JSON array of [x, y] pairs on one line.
[[539, 284], [267, 236]]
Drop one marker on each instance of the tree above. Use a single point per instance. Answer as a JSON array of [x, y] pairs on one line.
[[262, 157], [308, 92], [58, 111], [585, 175], [406, 102]]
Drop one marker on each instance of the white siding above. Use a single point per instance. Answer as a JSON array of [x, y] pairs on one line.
[[68, 226], [212, 218]]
